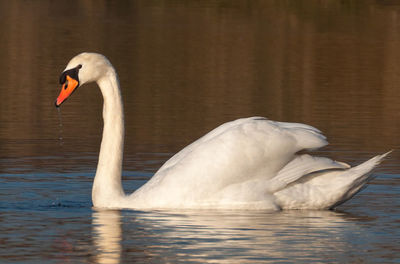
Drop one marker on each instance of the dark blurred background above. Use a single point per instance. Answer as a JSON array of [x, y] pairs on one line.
[[187, 66]]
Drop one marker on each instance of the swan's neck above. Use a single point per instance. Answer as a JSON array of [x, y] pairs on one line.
[[107, 186]]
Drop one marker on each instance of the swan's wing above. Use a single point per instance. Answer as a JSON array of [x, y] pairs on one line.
[[301, 166], [238, 151], [212, 134], [306, 137]]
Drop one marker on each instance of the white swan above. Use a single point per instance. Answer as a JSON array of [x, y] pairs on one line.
[[249, 163]]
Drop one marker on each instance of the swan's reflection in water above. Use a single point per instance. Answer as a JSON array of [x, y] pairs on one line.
[[107, 233], [224, 237]]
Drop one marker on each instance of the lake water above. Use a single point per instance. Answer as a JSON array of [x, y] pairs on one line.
[[185, 67]]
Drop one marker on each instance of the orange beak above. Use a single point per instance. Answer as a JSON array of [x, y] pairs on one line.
[[67, 89]]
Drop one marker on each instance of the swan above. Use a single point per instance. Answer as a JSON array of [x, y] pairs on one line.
[[249, 163]]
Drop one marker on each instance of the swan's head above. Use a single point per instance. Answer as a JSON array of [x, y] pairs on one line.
[[83, 68]]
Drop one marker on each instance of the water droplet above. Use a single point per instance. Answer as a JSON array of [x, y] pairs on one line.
[[60, 128]]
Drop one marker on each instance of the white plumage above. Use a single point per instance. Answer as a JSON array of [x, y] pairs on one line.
[[249, 163]]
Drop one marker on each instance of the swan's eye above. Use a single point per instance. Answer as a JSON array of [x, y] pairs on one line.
[[66, 85]]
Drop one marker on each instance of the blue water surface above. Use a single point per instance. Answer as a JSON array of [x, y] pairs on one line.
[[47, 217]]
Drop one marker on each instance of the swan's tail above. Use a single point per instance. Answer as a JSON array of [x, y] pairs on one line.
[[359, 176], [327, 189]]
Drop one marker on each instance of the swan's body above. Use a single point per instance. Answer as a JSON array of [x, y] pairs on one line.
[[248, 163]]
